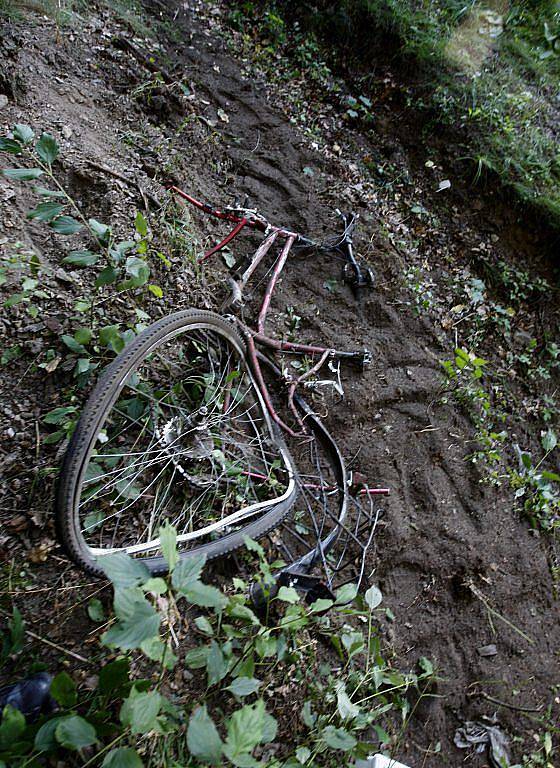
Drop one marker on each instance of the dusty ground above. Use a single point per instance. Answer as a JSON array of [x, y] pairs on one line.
[[447, 539]]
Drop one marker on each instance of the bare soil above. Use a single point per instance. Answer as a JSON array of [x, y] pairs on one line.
[[447, 538]]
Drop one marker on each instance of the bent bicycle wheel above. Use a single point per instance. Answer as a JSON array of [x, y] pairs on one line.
[[175, 431]]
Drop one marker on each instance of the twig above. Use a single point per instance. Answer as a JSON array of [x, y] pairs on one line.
[[56, 647], [484, 695], [129, 182], [495, 613]]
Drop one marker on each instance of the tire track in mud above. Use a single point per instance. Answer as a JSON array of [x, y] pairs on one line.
[[443, 529]]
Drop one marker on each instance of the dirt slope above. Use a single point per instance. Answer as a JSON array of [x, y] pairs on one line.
[[446, 539]]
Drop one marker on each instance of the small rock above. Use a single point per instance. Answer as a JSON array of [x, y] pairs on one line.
[[3, 100], [487, 650], [67, 131]]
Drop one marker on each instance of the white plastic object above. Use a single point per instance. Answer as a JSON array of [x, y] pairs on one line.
[[379, 761]]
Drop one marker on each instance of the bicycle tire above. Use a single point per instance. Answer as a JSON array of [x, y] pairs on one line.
[[96, 410]]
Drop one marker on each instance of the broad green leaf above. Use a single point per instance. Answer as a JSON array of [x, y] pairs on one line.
[[244, 686], [338, 738], [106, 277], [73, 732], [270, 729], [138, 270], [72, 344], [140, 710], [101, 231], [122, 757], [123, 570], [95, 610], [114, 675], [187, 572], [288, 595], [373, 597], [205, 596], [63, 690], [353, 642], [346, 594], [156, 650], [22, 174], [549, 440], [46, 211], [141, 225], [346, 709], [83, 335], [155, 585], [59, 415], [204, 625], [168, 541], [10, 146], [81, 258], [140, 623], [216, 664], [44, 192], [203, 739], [196, 658], [245, 730], [65, 225], [45, 739], [23, 133], [47, 148], [11, 726]]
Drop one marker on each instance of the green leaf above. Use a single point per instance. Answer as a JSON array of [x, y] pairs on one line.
[[10, 146], [101, 231], [245, 730], [138, 269], [140, 710], [203, 739], [44, 192], [549, 440], [338, 738], [156, 650], [204, 625], [346, 709], [72, 344], [140, 621], [45, 739], [23, 133], [244, 686], [22, 174], [106, 276], [288, 595], [156, 290], [196, 658], [373, 597], [46, 211], [123, 570], [63, 690], [141, 225], [168, 541], [114, 676], [205, 595], [74, 732], [187, 572], [95, 610], [155, 585], [122, 757], [83, 335], [12, 726], [346, 594], [65, 225], [216, 664], [47, 148], [59, 415], [81, 258]]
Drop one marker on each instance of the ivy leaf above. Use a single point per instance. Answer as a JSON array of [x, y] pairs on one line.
[[22, 174], [138, 269], [81, 258], [338, 738], [63, 690], [123, 570], [59, 415], [72, 344], [45, 739], [83, 335], [140, 710], [47, 148], [101, 231], [46, 211], [122, 757], [244, 686], [74, 732], [168, 541], [23, 133], [203, 739], [187, 572], [65, 225]]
